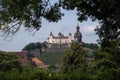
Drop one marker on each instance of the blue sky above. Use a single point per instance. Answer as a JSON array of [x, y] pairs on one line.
[[66, 25]]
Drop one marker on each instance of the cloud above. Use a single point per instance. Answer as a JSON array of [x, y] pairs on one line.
[[88, 29]]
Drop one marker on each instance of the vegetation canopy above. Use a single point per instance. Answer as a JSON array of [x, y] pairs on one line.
[[15, 13], [8, 61]]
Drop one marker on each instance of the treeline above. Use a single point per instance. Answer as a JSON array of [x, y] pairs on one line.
[[92, 46], [37, 45]]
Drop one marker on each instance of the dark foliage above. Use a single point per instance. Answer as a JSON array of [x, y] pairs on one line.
[[37, 45], [92, 46], [8, 61], [14, 13]]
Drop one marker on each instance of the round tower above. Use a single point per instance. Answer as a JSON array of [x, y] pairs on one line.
[[78, 35]]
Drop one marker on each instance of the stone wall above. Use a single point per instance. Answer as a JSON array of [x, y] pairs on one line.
[[58, 47]]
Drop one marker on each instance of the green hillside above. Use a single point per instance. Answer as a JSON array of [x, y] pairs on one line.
[[51, 58]]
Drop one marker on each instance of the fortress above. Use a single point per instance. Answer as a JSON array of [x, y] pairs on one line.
[[60, 39], [60, 43]]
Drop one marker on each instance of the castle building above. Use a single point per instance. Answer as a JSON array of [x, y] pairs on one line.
[[61, 42], [60, 39]]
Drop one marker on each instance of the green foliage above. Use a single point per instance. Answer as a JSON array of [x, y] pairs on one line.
[[90, 45], [30, 73], [103, 67], [116, 57], [8, 61], [74, 58], [32, 46], [104, 61], [9, 75], [51, 58], [27, 73], [109, 74], [28, 13], [53, 69], [113, 48]]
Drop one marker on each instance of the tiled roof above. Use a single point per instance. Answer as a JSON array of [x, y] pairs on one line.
[[22, 57], [36, 60]]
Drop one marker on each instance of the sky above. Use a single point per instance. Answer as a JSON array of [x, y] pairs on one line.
[[66, 25]]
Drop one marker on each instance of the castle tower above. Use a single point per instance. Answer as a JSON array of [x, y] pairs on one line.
[[78, 35], [70, 38], [51, 34]]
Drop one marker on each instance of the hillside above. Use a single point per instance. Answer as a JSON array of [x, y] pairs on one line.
[[55, 58], [51, 58]]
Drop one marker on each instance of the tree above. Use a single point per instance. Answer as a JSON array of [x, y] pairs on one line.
[[32, 46], [103, 67], [90, 45], [14, 13], [74, 58], [8, 61]]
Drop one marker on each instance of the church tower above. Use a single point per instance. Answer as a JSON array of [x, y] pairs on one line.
[[78, 35]]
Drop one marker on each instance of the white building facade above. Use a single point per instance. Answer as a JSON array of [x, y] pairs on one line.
[[60, 39]]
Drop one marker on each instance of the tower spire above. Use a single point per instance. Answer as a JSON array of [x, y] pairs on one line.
[[78, 35]]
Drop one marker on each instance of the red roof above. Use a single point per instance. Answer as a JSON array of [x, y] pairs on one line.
[[36, 60], [22, 57]]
